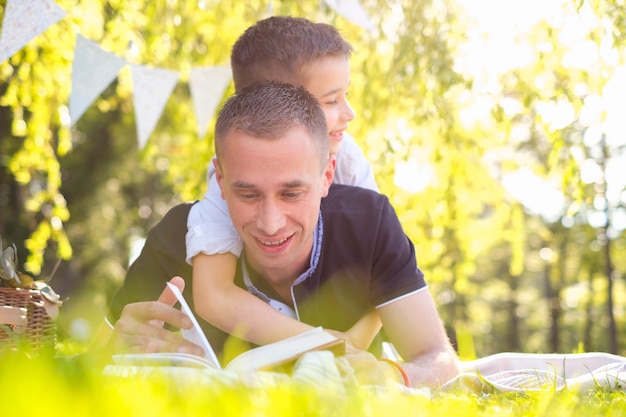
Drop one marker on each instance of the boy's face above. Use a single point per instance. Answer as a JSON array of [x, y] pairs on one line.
[[328, 80]]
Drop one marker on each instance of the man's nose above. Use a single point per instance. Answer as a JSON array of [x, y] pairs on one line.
[[271, 218]]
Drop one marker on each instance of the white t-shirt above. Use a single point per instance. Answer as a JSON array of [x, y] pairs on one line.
[[210, 230]]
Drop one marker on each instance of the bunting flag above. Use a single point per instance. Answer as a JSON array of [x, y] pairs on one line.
[[207, 86], [24, 20], [353, 11], [93, 69], [152, 88]]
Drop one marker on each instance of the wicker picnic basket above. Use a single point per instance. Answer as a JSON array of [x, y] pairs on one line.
[[25, 323], [28, 309]]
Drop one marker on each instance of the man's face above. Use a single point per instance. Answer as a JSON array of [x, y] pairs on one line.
[[273, 189]]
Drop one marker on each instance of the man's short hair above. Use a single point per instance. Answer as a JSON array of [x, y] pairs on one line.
[[281, 48], [270, 110]]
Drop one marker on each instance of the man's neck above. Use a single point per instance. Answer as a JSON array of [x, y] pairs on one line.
[[279, 280]]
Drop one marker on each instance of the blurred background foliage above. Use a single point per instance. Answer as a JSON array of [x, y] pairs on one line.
[[504, 168]]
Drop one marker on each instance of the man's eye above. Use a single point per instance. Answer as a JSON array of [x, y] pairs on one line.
[[247, 196], [292, 195]]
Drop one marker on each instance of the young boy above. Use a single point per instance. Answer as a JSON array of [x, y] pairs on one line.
[[301, 52]]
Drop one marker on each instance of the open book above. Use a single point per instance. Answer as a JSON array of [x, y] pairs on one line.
[[263, 358]]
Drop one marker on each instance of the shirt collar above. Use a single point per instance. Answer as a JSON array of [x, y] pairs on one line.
[[318, 234]]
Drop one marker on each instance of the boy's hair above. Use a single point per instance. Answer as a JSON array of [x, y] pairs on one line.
[[281, 48], [270, 110]]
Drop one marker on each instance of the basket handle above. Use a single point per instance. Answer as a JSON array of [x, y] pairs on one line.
[[14, 317]]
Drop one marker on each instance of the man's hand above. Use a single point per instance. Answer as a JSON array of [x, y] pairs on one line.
[[140, 326], [415, 329]]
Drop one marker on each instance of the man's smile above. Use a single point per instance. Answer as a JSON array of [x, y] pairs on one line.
[[273, 242]]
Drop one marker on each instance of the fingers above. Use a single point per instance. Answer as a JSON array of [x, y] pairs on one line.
[[144, 312], [350, 346], [151, 339], [167, 296], [367, 369], [140, 326], [135, 331]]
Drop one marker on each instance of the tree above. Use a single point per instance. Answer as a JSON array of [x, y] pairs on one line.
[[84, 192], [562, 101]]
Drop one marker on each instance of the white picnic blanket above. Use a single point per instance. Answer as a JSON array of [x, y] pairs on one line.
[[521, 372], [502, 372]]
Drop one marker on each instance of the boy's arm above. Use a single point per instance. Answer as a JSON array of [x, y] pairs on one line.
[[232, 309], [362, 333], [209, 227]]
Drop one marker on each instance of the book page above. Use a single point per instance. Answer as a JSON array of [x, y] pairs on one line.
[[195, 334], [162, 359], [287, 350]]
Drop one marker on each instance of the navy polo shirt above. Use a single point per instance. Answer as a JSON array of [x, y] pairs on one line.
[[362, 259]]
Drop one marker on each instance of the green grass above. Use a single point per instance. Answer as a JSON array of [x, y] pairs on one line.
[[75, 387]]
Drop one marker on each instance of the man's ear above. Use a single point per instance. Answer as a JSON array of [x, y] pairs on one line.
[[329, 174], [219, 176]]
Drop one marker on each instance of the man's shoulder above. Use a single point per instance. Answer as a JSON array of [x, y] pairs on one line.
[[176, 216], [180, 209], [340, 190], [173, 225], [353, 197]]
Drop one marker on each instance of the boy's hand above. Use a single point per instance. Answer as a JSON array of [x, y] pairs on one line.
[[368, 370], [351, 344]]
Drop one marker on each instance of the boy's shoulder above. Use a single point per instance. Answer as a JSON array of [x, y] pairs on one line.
[[348, 146], [352, 166]]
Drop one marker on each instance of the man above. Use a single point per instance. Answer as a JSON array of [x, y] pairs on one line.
[[327, 253]]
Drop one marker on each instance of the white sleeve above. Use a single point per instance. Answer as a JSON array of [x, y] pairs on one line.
[[352, 166], [209, 228]]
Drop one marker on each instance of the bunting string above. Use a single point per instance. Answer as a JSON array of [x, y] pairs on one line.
[[94, 68]]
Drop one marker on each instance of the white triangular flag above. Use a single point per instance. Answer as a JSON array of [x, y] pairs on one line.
[[93, 70], [353, 11], [207, 86], [23, 20], [152, 88]]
